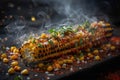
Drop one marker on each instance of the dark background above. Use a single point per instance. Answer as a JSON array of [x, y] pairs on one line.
[[28, 8]]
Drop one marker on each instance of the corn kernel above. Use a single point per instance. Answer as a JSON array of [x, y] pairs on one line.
[[97, 58], [69, 61], [108, 45], [96, 52], [11, 71], [72, 58], [5, 60], [107, 24], [17, 68], [60, 62], [15, 50], [82, 58], [14, 63], [90, 55], [3, 56], [24, 72], [43, 35], [40, 65], [88, 50], [12, 48], [14, 57], [112, 47], [56, 65], [50, 68]]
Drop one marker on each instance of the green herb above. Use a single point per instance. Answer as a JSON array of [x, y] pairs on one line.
[[86, 24], [33, 41], [18, 78], [81, 41], [40, 45], [50, 42], [81, 54], [76, 44], [75, 56], [53, 32], [65, 30], [75, 30], [92, 30], [30, 37]]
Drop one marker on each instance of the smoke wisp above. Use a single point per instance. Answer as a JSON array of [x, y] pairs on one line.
[[74, 12]]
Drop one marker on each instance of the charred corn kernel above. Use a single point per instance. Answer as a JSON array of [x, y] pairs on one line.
[[107, 24], [14, 57], [112, 47], [50, 68], [82, 58], [90, 55], [60, 62], [40, 65], [108, 45], [24, 72], [14, 63], [88, 50], [12, 48], [96, 52], [17, 68], [97, 58], [5, 60], [43, 35], [11, 71], [72, 58], [33, 48], [15, 50], [36, 41], [94, 24], [69, 61], [56, 65], [3, 56], [100, 23], [31, 44], [64, 61]]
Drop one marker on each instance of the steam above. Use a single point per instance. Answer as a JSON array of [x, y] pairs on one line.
[[74, 13]]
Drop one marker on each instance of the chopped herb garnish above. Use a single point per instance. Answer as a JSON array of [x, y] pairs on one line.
[[81, 41], [53, 32], [33, 41], [76, 44], [81, 54], [40, 45], [86, 24], [30, 37], [50, 42], [92, 30], [18, 78]]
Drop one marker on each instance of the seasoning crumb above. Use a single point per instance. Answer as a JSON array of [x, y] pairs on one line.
[[80, 68], [78, 61], [36, 75], [85, 62], [71, 69], [28, 78], [46, 72], [51, 74], [48, 78], [7, 73], [109, 54]]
